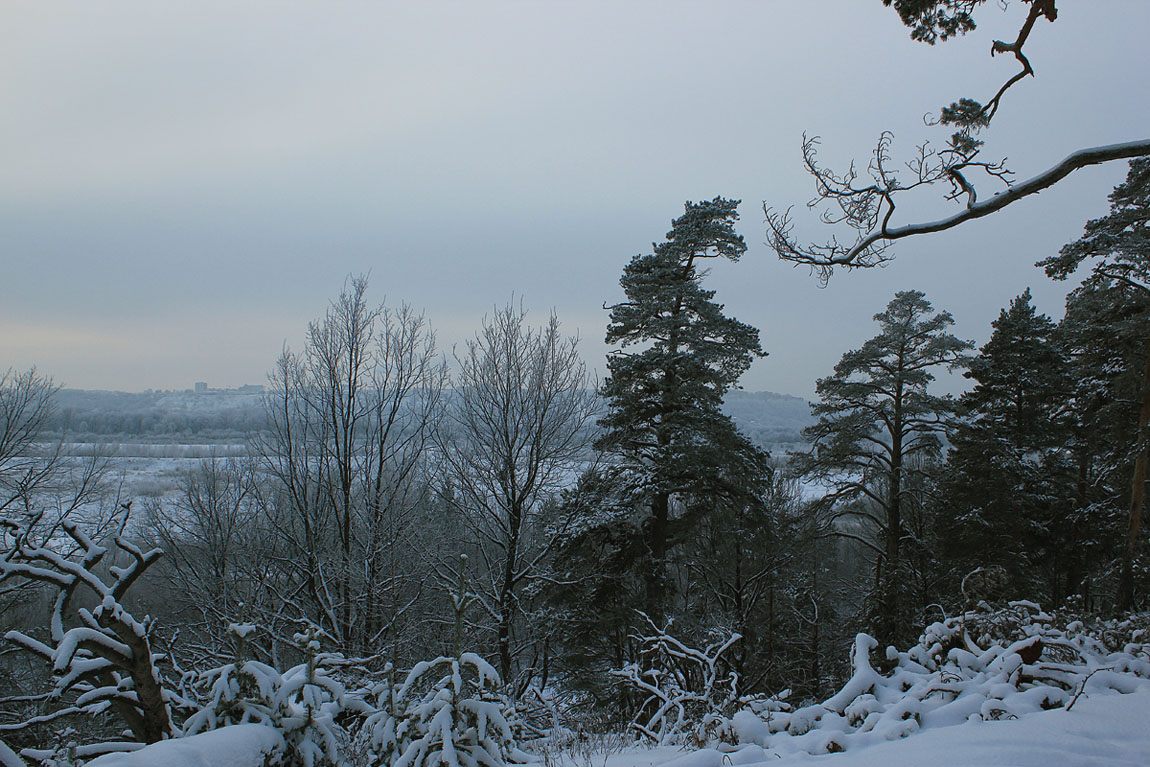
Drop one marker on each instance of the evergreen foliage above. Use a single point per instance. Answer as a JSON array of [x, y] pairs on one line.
[[932, 20], [679, 354], [1118, 244], [878, 429], [1105, 330], [449, 711], [1008, 498], [1120, 240], [451, 714], [305, 704]]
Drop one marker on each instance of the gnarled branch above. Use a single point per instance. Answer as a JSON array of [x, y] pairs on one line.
[[870, 248]]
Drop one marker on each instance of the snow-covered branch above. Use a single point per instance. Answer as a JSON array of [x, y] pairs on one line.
[[688, 690], [105, 658], [868, 210]]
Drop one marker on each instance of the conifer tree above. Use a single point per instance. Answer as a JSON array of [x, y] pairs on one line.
[[1105, 331], [677, 453], [1008, 494], [878, 427], [1119, 246]]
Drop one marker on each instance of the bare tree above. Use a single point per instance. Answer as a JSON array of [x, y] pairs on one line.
[[214, 535], [41, 486], [25, 408], [518, 430], [863, 203], [349, 419]]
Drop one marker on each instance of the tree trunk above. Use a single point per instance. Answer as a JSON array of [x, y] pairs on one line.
[[656, 575], [506, 594], [1137, 494], [154, 720], [890, 608]]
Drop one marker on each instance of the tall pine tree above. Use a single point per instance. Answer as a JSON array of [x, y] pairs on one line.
[[1104, 333], [1118, 244], [665, 433], [1009, 491], [878, 428]]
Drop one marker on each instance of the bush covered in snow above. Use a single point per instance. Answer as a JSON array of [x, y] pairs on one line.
[[448, 711], [985, 664], [688, 693], [304, 704]]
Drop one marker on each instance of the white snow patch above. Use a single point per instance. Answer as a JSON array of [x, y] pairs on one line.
[[242, 745], [8, 757], [1103, 730]]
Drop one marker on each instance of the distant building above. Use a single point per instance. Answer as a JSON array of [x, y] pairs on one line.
[[201, 387], [251, 389]]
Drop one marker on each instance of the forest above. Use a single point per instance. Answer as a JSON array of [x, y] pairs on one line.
[[498, 537]]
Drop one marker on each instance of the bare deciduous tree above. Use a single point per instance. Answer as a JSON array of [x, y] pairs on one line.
[[213, 534], [25, 408], [349, 419], [517, 431], [41, 486]]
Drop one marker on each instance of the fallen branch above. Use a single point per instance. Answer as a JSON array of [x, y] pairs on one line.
[[1082, 687]]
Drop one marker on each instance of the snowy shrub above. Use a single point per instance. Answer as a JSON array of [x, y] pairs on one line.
[[238, 693], [449, 712], [305, 704], [536, 715], [688, 693], [987, 664]]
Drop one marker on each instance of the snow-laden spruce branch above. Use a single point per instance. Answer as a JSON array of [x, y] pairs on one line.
[[869, 209]]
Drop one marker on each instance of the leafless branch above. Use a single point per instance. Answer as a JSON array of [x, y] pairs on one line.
[[870, 247], [869, 209]]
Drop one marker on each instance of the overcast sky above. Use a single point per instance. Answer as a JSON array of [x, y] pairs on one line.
[[186, 184]]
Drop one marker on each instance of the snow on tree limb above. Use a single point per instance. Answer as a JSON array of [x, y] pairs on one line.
[[876, 205], [107, 660], [687, 690]]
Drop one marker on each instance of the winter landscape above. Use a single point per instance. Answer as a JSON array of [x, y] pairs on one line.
[[397, 385]]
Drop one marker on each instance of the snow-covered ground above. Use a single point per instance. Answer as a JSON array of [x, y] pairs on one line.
[[242, 745], [1099, 731], [1102, 730]]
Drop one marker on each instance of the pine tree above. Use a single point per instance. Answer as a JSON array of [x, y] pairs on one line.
[[664, 429], [1105, 331], [878, 428], [1009, 490], [1119, 244]]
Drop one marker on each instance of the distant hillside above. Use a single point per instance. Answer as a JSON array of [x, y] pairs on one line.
[[771, 420], [156, 416]]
